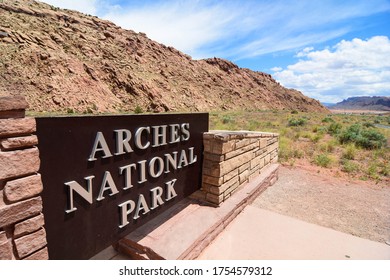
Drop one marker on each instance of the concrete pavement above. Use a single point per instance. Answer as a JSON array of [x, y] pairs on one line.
[[262, 234]]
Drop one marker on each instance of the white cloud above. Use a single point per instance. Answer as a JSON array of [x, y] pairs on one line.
[[232, 29], [85, 6], [186, 26], [350, 68]]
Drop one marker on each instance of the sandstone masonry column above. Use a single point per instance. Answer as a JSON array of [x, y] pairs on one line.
[[232, 159], [22, 235]]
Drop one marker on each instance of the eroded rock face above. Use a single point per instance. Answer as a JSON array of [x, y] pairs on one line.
[[65, 61]]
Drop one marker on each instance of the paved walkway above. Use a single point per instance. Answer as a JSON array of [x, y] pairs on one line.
[[261, 234]]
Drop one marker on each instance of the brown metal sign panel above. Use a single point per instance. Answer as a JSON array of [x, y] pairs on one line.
[[104, 176]]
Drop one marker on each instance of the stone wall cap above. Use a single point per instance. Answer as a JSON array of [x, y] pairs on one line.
[[226, 135], [14, 102]]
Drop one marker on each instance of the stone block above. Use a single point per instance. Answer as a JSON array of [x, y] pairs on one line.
[[243, 177], [5, 247], [28, 244], [235, 162], [42, 254], [263, 142], [29, 226], [255, 162], [240, 151], [242, 143], [18, 142], [12, 213], [221, 189], [213, 157], [15, 127], [262, 162], [207, 146], [215, 199], [14, 102], [216, 181], [19, 163], [23, 188], [272, 140], [206, 187], [261, 152], [267, 159], [212, 171], [222, 147], [230, 175], [245, 166], [272, 147]]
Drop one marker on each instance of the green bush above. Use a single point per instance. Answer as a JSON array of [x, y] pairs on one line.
[[138, 110], [372, 139], [365, 138], [334, 128], [227, 119], [327, 120], [323, 160], [349, 166], [350, 152], [297, 122]]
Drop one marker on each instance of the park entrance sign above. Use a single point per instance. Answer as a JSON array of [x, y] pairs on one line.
[[105, 176]]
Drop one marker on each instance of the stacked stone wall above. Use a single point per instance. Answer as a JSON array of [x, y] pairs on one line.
[[232, 159], [22, 235]]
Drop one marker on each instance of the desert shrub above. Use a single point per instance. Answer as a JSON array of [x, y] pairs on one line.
[[327, 120], [385, 169], [349, 166], [349, 152], [294, 112], [323, 160], [227, 119], [372, 139], [372, 170], [334, 128], [297, 122], [88, 111], [368, 124], [365, 138], [253, 125], [328, 146], [320, 129], [138, 110]]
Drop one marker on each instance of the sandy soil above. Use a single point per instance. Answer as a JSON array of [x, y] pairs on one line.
[[355, 207]]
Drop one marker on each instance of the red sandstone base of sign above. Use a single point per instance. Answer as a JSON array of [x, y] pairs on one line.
[[169, 236]]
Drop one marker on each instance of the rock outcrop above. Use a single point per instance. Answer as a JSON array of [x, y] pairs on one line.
[[65, 61]]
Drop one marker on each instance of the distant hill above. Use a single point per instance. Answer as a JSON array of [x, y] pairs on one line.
[[327, 104], [374, 103], [66, 61]]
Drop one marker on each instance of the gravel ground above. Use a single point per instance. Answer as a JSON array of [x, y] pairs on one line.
[[355, 207]]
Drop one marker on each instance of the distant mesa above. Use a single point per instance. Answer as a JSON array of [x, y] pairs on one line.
[[69, 62], [372, 103]]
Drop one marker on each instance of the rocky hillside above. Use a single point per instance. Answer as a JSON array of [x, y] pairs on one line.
[[374, 103], [65, 61]]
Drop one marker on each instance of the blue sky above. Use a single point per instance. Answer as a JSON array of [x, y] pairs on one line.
[[329, 50]]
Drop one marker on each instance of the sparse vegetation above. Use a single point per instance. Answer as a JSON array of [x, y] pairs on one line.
[[296, 122], [138, 110], [323, 160], [338, 142]]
